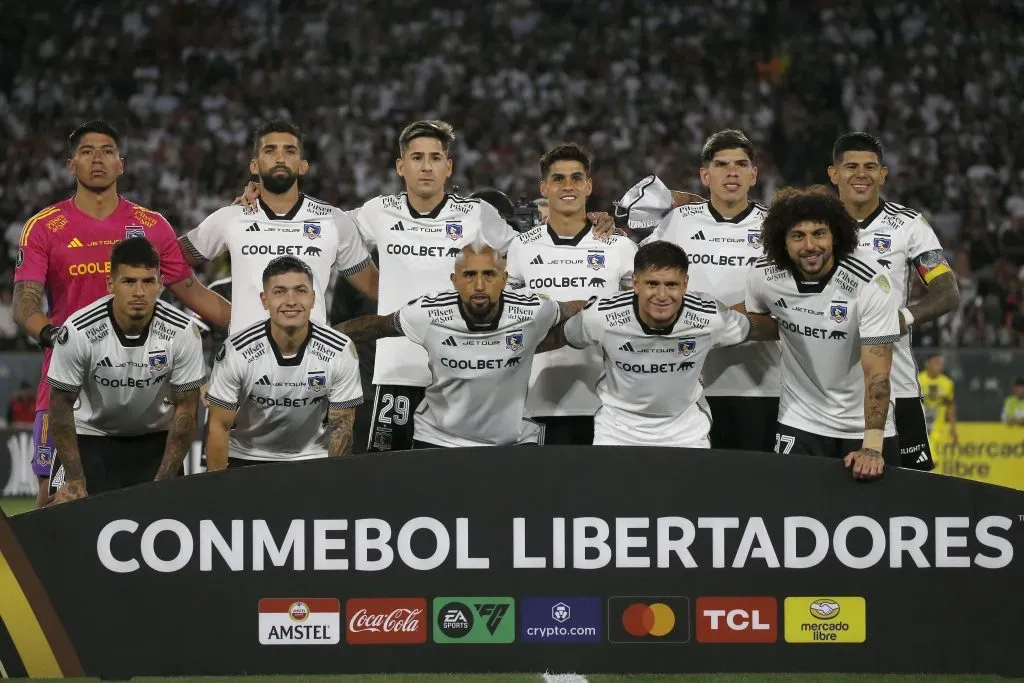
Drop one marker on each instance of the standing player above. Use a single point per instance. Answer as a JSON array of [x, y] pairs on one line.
[[133, 365], [284, 223], [565, 260], [938, 396], [64, 257], [480, 340], [655, 341], [722, 238], [837, 321], [902, 241], [286, 388]]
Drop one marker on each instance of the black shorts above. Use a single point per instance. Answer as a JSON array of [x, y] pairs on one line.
[[235, 463], [567, 430], [419, 445], [391, 423], [744, 423], [793, 441], [912, 429], [115, 462]]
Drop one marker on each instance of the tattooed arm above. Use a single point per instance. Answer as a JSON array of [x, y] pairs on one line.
[[181, 434], [339, 429], [65, 442], [28, 310], [942, 294], [203, 300], [369, 328], [762, 327], [555, 338], [876, 361]]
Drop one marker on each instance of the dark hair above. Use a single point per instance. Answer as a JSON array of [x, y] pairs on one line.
[[726, 139], [794, 205], [568, 151], [101, 127], [275, 126], [134, 251], [441, 131], [855, 142], [498, 199], [286, 264], [660, 254]]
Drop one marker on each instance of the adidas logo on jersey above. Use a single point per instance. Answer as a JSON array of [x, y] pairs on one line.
[[699, 235], [398, 226], [537, 261], [253, 228], [922, 458], [105, 363], [627, 347], [781, 303], [450, 341], [265, 381], [75, 243]]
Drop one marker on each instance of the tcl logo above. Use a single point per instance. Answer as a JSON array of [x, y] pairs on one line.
[[737, 620], [386, 621]]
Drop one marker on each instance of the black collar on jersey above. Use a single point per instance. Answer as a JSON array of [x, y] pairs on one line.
[[818, 286], [483, 327], [570, 241], [653, 330], [297, 358], [719, 218], [285, 216], [870, 218], [433, 213], [125, 341]]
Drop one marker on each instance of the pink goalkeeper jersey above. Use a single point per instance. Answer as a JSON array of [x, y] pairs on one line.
[[69, 253]]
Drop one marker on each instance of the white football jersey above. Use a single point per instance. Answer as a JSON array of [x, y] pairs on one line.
[[650, 387], [481, 372], [721, 251], [323, 236], [124, 384], [282, 402], [823, 326], [895, 236], [563, 381], [416, 253]]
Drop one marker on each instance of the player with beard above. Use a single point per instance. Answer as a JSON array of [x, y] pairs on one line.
[[901, 242], [838, 321], [722, 238], [284, 222], [480, 339], [64, 258]]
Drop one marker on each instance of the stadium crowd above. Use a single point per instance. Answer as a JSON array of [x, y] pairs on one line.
[[640, 83]]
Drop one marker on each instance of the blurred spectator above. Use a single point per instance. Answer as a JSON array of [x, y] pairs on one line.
[[21, 411], [8, 330], [1013, 407]]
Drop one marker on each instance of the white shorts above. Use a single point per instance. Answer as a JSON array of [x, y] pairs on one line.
[[689, 429]]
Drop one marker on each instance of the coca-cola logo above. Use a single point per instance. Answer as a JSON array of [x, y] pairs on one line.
[[390, 621]]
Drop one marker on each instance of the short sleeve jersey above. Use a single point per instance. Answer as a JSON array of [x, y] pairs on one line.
[[324, 237], [416, 252], [68, 251], [481, 372], [721, 251], [823, 326], [124, 384], [282, 403], [563, 381]]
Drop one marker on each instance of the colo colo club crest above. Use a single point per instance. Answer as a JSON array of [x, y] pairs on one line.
[[157, 360], [687, 346], [882, 244], [837, 311], [311, 230], [316, 380], [453, 230], [514, 340], [595, 260]]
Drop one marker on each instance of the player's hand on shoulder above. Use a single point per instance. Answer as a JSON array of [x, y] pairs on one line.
[[72, 490], [867, 464], [604, 224], [680, 198], [250, 195]]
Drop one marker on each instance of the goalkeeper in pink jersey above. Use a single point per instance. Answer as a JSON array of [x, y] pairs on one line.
[[64, 256]]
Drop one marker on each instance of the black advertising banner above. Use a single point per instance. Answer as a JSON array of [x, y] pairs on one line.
[[588, 559]]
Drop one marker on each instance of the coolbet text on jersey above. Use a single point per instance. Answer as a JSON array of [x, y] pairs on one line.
[[563, 381], [69, 253]]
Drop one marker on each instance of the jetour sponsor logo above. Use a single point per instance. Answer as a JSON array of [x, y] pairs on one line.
[[585, 543], [386, 621]]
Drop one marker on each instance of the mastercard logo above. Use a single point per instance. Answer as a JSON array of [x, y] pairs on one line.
[[656, 619]]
